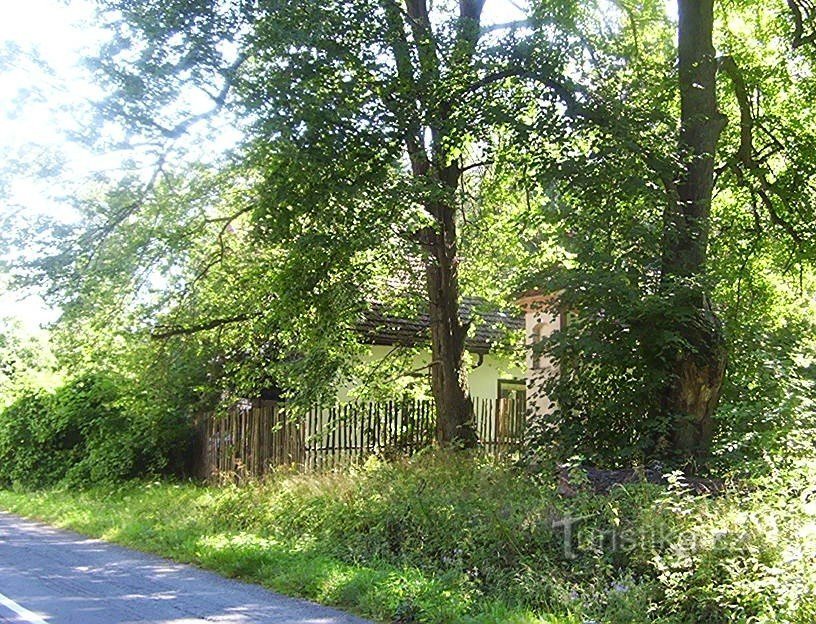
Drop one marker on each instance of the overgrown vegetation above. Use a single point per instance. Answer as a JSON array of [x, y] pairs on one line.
[[610, 367], [610, 151], [649, 167], [392, 150], [447, 539], [88, 432]]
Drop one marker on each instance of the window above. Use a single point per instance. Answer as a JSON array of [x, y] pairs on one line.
[[514, 389], [538, 335]]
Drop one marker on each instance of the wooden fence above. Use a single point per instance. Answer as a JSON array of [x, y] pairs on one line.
[[254, 436]]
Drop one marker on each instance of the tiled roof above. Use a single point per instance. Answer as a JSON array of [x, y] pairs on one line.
[[380, 327]]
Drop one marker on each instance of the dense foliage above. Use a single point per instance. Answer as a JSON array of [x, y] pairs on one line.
[[394, 155], [391, 153], [650, 165], [452, 539], [607, 188], [88, 431], [610, 367]]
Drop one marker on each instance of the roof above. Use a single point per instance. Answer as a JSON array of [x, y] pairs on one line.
[[379, 327], [536, 299]]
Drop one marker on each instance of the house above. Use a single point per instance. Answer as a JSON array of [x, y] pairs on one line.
[[505, 384], [497, 369], [540, 321]]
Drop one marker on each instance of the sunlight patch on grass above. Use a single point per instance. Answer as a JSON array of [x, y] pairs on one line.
[[451, 539]]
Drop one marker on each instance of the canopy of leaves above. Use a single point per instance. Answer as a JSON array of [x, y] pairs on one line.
[[257, 269]]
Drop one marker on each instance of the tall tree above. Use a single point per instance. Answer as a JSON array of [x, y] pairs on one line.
[[438, 164], [763, 169], [658, 122], [699, 365], [362, 120]]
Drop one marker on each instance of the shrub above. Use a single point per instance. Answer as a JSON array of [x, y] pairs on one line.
[[450, 538], [490, 532], [87, 431], [28, 453]]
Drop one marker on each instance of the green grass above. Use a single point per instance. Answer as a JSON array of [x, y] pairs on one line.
[[460, 539]]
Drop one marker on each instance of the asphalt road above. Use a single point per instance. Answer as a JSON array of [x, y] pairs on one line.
[[58, 577]]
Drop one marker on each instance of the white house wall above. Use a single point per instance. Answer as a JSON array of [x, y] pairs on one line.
[[483, 379], [540, 322]]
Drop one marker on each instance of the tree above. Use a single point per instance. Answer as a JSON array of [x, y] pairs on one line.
[[363, 121], [655, 121], [696, 380], [379, 136], [698, 370], [438, 164], [25, 360]]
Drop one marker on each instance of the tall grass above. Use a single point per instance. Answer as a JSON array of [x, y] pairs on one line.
[[443, 538]]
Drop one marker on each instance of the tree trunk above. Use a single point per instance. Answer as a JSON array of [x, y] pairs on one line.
[[455, 418], [432, 164], [695, 382], [697, 371]]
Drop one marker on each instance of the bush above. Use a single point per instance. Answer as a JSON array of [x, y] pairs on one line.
[[616, 349], [28, 453], [612, 357], [490, 532], [85, 432]]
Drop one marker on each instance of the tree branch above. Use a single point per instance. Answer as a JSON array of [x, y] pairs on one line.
[[801, 10], [514, 25], [406, 88], [168, 331], [745, 154], [219, 101], [475, 165], [570, 95], [420, 22]]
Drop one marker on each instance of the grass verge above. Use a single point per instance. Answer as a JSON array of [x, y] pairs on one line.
[[461, 539]]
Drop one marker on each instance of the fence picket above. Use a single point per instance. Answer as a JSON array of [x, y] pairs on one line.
[[251, 438]]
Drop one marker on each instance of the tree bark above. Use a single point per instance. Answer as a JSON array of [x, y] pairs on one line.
[[432, 164], [698, 367], [454, 406]]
